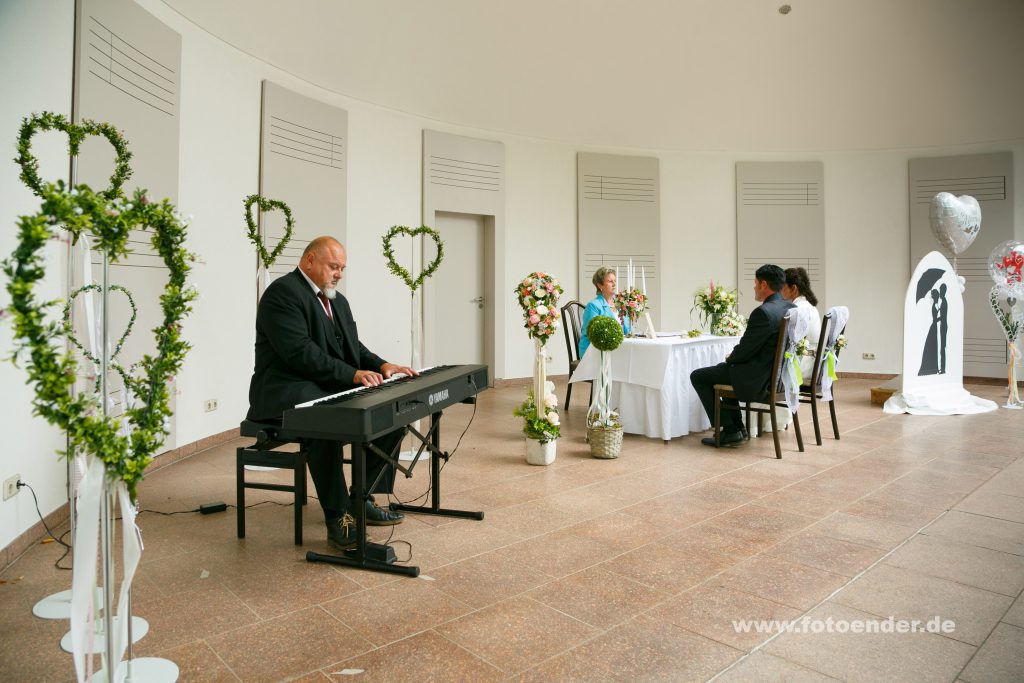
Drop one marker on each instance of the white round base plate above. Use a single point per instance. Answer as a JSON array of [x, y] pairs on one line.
[[143, 670], [140, 627], [58, 605]]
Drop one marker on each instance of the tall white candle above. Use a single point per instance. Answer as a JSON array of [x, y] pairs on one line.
[[631, 284], [643, 279], [616, 277]]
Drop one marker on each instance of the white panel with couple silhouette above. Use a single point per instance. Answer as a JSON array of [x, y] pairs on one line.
[[933, 345]]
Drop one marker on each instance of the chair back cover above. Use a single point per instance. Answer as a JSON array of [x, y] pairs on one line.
[[794, 328], [830, 355]]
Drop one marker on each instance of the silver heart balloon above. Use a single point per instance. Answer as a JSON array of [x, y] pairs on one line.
[[955, 221]]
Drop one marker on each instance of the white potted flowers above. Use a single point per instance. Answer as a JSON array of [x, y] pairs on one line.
[[540, 425]]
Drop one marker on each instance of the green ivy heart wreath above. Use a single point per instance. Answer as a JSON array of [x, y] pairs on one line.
[[267, 258], [52, 371], [69, 331], [389, 253], [76, 134]]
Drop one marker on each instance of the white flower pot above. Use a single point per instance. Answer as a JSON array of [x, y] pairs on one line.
[[538, 453]]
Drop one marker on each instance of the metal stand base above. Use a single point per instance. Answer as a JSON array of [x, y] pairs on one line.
[[142, 670], [139, 628], [376, 558], [58, 605]]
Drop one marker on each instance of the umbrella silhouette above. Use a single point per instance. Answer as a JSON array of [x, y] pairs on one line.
[[927, 281]]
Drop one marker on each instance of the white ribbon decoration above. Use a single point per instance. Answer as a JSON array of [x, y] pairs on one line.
[[840, 315], [797, 330], [262, 279], [539, 379], [91, 490], [131, 540], [83, 578]]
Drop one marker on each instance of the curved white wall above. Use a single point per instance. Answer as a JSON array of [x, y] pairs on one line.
[[865, 199]]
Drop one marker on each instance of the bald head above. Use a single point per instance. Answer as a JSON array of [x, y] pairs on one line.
[[323, 261]]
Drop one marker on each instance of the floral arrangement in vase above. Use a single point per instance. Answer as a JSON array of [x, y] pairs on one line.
[[732, 324], [538, 295], [630, 303], [541, 425], [713, 304]]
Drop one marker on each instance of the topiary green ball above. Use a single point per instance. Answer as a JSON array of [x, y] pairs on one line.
[[605, 333]]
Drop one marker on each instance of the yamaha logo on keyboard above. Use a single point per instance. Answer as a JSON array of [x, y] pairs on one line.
[[437, 397]]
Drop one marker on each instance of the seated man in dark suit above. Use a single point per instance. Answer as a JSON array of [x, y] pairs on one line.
[[749, 367], [307, 347]]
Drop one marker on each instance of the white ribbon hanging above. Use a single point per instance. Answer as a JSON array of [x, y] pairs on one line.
[[91, 489], [540, 379], [840, 315], [262, 279], [83, 578], [791, 380], [131, 540]]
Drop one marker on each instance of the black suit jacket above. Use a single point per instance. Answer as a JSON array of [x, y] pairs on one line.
[[300, 354], [750, 363]]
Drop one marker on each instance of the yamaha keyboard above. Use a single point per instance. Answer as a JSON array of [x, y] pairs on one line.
[[364, 413], [358, 416]]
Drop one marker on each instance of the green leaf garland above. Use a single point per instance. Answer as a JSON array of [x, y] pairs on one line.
[[76, 135], [70, 333], [267, 258], [389, 253], [51, 371]]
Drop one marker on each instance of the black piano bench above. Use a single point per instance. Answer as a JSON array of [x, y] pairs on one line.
[[268, 437]]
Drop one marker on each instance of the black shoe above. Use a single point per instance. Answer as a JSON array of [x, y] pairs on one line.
[[725, 439], [341, 532], [377, 516]]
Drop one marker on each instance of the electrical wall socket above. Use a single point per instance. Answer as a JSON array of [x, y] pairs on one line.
[[867, 356], [11, 486], [210, 405]]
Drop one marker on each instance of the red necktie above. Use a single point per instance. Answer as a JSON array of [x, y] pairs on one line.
[[326, 303]]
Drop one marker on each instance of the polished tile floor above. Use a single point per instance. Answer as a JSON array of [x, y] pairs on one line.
[[625, 570]]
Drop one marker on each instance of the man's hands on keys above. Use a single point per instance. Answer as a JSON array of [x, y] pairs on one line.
[[368, 378], [390, 370]]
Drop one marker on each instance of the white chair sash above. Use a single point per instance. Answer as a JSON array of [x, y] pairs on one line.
[[791, 378], [839, 316]]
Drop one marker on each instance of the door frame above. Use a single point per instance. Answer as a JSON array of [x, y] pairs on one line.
[[431, 336]]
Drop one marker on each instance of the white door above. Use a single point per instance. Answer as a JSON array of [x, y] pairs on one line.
[[456, 307]]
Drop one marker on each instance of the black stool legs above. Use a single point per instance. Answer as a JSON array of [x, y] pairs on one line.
[[260, 454]]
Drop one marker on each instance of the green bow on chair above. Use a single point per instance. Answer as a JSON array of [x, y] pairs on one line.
[[794, 365], [831, 360]]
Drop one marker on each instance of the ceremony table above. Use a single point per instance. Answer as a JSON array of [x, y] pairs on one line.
[[651, 382]]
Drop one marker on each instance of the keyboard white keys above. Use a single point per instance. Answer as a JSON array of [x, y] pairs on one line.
[[348, 392]]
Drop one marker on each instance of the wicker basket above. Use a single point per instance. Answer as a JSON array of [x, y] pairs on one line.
[[605, 442]]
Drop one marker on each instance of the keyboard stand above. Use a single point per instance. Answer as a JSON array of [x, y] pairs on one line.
[[436, 455], [375, 556], [372, 556]]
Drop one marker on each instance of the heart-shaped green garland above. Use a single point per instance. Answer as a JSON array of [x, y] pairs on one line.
[[267, 258], [52, 372], [389, 253], [69, 331], [76, 134]]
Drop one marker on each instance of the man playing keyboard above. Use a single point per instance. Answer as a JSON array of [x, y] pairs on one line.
[[307, 347]]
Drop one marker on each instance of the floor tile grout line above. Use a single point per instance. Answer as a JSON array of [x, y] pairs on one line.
[[978, 649], [833, 594]]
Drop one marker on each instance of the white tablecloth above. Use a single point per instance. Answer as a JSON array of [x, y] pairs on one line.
[[651, 382]]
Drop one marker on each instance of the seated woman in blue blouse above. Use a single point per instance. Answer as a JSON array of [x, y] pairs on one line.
[[604, 281]]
